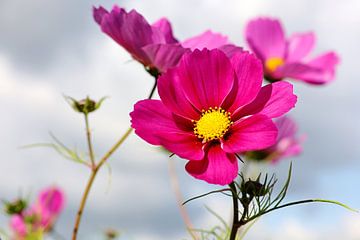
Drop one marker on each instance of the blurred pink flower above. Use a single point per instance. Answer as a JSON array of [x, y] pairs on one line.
[[41, 216], [287, 143], [287, 58], [154, 45], [211, 108]]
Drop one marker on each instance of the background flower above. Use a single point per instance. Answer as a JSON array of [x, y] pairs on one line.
[[288, 58]]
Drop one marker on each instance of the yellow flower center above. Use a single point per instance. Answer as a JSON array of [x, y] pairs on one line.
[[213, 124], [273, 63]]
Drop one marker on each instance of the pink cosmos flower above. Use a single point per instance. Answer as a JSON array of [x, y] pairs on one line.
[[154, 45], [287, 143], [288, 58], [41, 216], [211, 108]]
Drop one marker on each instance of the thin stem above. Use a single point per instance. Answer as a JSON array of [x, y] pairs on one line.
[[153, 88], [88, 137], [184, 214], [91, 180], [235, 225]]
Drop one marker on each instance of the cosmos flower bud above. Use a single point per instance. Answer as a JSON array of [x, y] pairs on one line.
[[15, 207], [253, 188], [86, 105]]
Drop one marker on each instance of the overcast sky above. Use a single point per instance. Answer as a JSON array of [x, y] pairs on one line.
[[51, 48]]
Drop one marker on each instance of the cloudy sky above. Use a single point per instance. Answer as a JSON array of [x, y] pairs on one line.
[[51, 48]]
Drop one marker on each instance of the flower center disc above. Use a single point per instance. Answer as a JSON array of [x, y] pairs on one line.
[[273, 63], [213, 124]]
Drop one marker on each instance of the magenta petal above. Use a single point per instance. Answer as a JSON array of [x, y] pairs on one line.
[[230, 50], [206, 76], [207, 40], [273, 100], [173, 97], [51, 200], [99, 13], [249, 73], [299, 46], [253, 133], [185, 145], [320, 70], [130, 30], [218, 167], [266, 38], [287, 127], [164, 26], [151, 119], [164, 56]]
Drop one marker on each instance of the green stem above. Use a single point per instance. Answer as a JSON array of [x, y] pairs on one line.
[[88, 137], [235, 224], [153, 88]]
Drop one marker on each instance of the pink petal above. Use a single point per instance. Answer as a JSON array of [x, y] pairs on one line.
[[287, 127], [230, 50], [173, 97], [51, 200], [320, 70], [273, 100], [154, 123], [299, 46], [164, 56], [253, 133], [207, 40], [206, 76], [249, 72], [266, 38], [165, 28], [99, 13], [18, 225], [130, 30], [218, 167]]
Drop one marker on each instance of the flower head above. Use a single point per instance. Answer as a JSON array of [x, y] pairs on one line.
[[154, 45], [41, 216], [287, 143], [211, 108], [288, 58]]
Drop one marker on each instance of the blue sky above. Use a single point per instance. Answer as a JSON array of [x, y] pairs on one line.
[[50, 48]]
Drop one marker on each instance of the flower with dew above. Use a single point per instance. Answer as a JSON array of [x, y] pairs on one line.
[[41, 216], [211, 108], [154, 45], [288, 58], [287, 143]]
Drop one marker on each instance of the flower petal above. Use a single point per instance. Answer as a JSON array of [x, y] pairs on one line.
[[273, 100], [286, 126], [206, 76], [154, 123], [173, 97], [165, 28], [99, 13], [51, 200], [130, 30], [249, 72], [230, 50], [299, 45], [207, 40], [320, 70], [266, 38], [164, 56], [253, 133], [218, 167]]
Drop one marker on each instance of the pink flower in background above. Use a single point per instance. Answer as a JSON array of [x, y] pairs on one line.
[[211, 108], [41, 216], [287, 143], [154, 45], [288, 58]]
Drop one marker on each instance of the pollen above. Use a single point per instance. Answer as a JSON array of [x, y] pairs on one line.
[[213, 124], [273, 63]]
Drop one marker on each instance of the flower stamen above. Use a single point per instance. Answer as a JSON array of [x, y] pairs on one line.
[[273, 63], [213, 124]]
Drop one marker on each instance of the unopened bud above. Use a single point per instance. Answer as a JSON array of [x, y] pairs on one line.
[[15, 207], [253, 188], [86, 105]]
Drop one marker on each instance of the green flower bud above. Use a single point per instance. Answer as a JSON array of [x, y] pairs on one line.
[[86, 105], [15, 207]]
